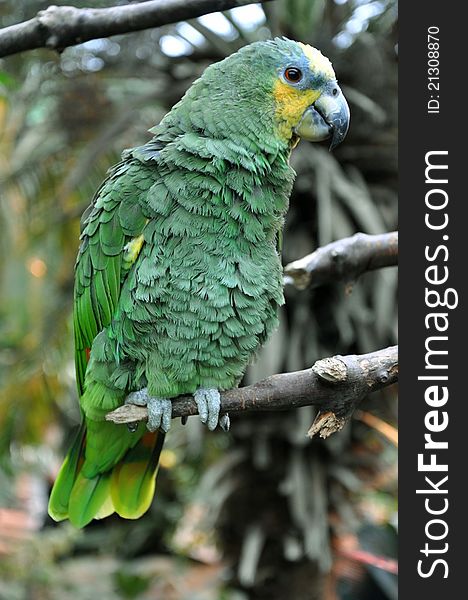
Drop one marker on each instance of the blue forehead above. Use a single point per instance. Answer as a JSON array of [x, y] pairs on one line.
[[292, 55], [310, 77]]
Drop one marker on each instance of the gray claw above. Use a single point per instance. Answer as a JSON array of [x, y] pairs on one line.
[[132, 427], [201, 405], [225, 422], [209, 404], [159, 409], [139, 398], [159, 414]]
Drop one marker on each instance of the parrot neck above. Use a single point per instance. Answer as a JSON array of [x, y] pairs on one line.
[[223, 160], [212, 114], [257, 180]]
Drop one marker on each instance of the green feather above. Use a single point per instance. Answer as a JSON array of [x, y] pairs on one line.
[[60, 495], [131, 218], [87, 498], [111, 236]]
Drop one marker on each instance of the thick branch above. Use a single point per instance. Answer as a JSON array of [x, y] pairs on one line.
[[344, 260], [58, 27], [334, 385]]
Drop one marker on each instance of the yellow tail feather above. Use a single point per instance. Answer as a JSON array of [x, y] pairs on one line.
[[126, 487], [133, 480]]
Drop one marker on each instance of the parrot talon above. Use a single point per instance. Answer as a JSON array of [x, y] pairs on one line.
[[159, 410], [209, 404], [159, 414], [225, 422], [132, 427], [139, 398], [184, 420]]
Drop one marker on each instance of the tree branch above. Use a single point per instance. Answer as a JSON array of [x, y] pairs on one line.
[[58, 27], [344, 260], [334, 385]]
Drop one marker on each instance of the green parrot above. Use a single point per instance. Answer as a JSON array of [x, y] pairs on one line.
[[178, 277]]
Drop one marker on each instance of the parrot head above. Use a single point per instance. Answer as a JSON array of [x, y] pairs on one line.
[[309, 101], [276, 86]]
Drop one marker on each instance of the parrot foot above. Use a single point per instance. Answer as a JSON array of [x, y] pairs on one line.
[[209, 404], [159, 409]]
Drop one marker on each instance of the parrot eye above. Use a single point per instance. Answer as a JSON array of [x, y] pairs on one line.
[[293, 74]]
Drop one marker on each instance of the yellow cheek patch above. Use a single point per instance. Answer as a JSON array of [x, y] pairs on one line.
[[290, 106], [291, 102], [318, 62]]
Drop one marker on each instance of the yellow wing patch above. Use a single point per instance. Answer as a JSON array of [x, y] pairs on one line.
[[133, 249], [318, 62]]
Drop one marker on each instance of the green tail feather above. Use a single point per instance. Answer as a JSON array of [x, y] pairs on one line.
[[126, 486], [60, 495], [88, 498], [107, 444]]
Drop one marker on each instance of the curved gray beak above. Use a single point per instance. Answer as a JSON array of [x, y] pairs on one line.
[[327, 118]]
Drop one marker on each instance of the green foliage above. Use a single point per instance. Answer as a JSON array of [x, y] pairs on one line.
[[130, 585]]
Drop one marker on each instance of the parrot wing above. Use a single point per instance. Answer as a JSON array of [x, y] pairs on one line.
[[111, 240]]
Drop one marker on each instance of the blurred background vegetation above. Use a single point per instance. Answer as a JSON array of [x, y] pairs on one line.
[[259, 513]]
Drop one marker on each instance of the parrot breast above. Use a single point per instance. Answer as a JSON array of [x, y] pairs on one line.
[[204, 293]]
